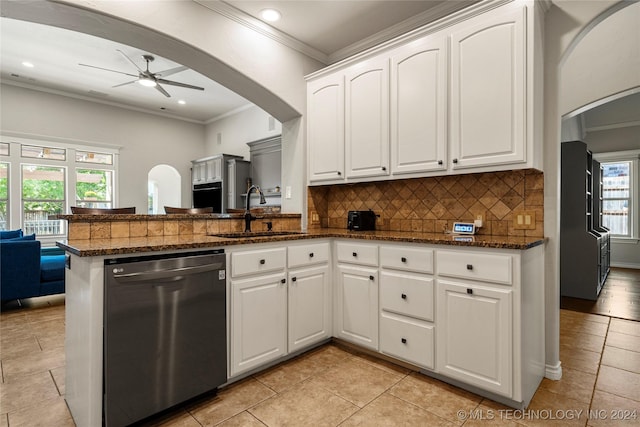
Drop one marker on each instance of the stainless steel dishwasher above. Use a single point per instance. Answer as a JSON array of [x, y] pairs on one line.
[[164, 332]]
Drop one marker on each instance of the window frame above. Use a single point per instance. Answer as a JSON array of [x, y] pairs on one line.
[[15, 161], [633, 157]]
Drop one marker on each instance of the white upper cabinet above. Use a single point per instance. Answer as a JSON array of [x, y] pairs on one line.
[[367, 118], [488, 88], [325, 132], [419, 106]]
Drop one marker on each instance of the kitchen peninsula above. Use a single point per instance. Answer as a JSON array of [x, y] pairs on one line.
[[466, 310]]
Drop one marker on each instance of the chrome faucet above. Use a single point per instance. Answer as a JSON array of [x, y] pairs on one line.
[[247, 213]]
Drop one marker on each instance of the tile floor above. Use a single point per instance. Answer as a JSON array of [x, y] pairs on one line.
[[330, 386]]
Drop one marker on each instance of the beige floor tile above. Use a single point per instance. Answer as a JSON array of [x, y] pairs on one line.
[[289, 374], [490, 413], [45, 314], [58, 375], [384, 365], [621, 359], [628, 342], [51, 341], [4, 422], [357, 381], [628, 327], [619, 382], [388, 410], [327, 356], [608, 409], [48, 327], [243, 419], [435, 396], [27, 391], [177, 418], [307, 404], [579, 359], [229, 402], [52, 412], [584, 341], [549, 409], [574, 384], [41, 361], [19, 346]]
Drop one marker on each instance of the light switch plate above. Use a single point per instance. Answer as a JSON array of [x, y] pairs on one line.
[[524, 220]]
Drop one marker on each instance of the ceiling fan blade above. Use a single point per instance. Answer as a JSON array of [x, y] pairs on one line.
[[172, 83], [106, 69], [130, 60], [170, 71], [162, 91], [126, 83]]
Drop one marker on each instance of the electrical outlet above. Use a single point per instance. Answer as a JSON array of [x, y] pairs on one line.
[[315, 218], [524, 220]]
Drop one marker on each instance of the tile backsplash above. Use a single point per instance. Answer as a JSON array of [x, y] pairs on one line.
[[433, 204]]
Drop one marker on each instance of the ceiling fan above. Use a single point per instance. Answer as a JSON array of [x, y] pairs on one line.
[[149, 79]]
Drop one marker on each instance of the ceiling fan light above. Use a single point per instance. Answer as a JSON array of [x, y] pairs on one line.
[[147, 82]]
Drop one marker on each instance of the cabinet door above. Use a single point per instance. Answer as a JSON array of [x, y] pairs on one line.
[[231, 184], [357, 302], [309, 312], [419, 106], [488, 82], [214, 169], [325, 127], [475, 335], [367, 118], [259, 321], [199, 172]]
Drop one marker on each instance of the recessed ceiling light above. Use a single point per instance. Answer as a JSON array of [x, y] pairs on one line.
[[27, 64], [182, 102], [270, 15]]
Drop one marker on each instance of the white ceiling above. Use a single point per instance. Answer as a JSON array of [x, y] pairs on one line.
[[326, 27]]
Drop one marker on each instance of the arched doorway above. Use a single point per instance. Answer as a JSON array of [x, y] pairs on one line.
[[164, 184]]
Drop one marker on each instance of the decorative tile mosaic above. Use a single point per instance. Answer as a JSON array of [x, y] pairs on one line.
[[433, 204]]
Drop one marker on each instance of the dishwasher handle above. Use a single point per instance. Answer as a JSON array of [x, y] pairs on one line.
[[165, 274]]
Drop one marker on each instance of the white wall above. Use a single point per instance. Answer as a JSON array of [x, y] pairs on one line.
[[229, 135], [147, 140]]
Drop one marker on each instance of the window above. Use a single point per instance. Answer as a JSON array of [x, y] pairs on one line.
[[94, 188], [621, 194], [4, 196], [43, 194]]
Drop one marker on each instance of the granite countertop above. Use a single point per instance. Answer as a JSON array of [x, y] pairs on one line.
[[120, 246], [163, 217]]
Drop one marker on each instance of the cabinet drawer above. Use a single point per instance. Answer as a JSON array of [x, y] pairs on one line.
[[357, 253], [257, 261], [407, 259], [476, 266], [308, 254], [408, 294], [407, 339]]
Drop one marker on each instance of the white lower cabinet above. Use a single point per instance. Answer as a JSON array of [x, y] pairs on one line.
[[309, 311], [475, 330], [258, 321], [407, 338], [357, 305]]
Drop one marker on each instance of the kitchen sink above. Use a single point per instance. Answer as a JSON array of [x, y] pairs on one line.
[[250, 234]]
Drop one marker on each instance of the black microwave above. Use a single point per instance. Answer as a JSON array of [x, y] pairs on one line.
[[361, 220]]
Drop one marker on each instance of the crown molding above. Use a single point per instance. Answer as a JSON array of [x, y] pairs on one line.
[[611, 126], [230, 113], [99, 101], [258, 26]]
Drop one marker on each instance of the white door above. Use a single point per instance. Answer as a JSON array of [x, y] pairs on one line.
[[474, 341], [325, 128], [309, 312], [259, 321], [357, 305], [367, 118], [419, 106], [488, 87]]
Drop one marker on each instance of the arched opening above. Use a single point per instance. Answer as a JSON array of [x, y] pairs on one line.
[[164, 185]]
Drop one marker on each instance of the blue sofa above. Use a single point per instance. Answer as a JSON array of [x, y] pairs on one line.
[[27, 270]]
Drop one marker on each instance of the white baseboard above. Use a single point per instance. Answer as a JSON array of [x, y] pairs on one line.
[[626, 265], [553, 372]]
